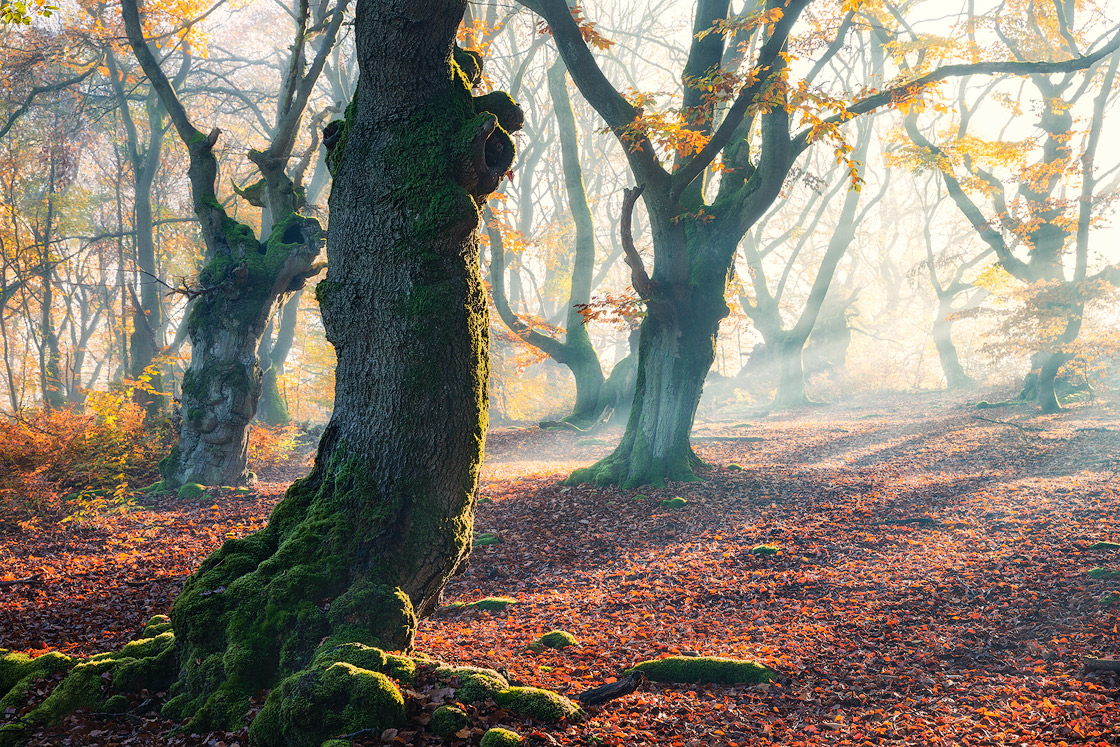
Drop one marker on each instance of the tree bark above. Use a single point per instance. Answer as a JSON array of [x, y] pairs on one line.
[[273, 409], [955, 377], [365, 544]]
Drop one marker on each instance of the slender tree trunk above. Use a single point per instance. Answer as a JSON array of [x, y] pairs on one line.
[[147, 319], [955, 377], [788, 351], [363, 545], [273, 410]]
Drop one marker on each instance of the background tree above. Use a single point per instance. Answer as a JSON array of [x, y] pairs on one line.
[[240, 284]]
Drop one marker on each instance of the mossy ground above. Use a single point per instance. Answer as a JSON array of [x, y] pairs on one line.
[[704, 669], [97, 683], [1105, 574], [489, 604], [498, 737]]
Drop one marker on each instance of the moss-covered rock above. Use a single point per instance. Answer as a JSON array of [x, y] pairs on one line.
[[734, 467], [446, 720], [315, 704], [704, 669], [676, 502], [474, 683], [190, 490], [1104, 546], [498, 737], [557, 639], [765, 549]]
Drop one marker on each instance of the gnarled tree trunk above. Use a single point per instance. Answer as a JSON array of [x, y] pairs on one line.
[[363, 545]]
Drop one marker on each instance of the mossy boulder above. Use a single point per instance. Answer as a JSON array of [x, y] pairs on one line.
[[734, 467], [536, 703], [704, 669], [190, 490], [475, 683], [557, 639], [1104, 546], [498, 737], [446, 720], [676, 502], [765, 549], [313, 705]]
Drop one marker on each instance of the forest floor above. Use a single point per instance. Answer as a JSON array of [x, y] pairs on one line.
[[931, 586]]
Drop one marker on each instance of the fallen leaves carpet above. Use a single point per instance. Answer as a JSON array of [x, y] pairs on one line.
[[930, 587]]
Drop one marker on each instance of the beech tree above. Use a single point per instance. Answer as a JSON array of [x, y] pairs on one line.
[[1028, 224], [244, 279], [696, 226]]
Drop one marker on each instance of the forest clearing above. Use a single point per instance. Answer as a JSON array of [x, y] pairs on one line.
[[516, 373], [931, 582]]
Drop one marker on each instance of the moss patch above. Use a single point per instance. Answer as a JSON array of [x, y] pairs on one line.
[[475, 684], [1104, 573], [765, 549], [734, 467], [446, 720], [97, 683], [1104, 546], [497, 737], [487, 539], [315, 704], [676, 502], [489, 604], [704, 669], [557, 639], [190, 490]]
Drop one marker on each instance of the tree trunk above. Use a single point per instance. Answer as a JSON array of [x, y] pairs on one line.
[[363, 545], [675, 351], [955, 377], [273, 409], [788, 352]]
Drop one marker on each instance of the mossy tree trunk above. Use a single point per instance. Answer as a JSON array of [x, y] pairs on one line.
[[245, 279], [356, 551]]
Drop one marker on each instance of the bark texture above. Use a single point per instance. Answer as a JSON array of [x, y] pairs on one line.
[[360, 548]]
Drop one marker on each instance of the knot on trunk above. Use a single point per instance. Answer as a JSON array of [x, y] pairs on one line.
[[491, 149]]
